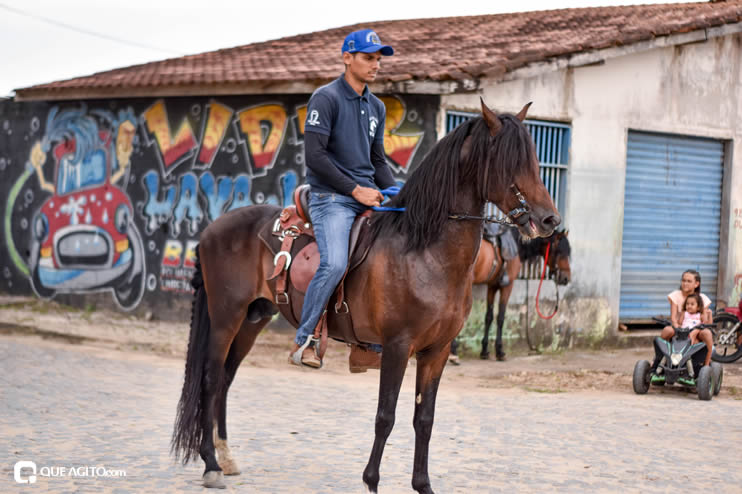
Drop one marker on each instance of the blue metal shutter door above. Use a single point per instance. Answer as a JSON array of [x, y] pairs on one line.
[[672, 212]]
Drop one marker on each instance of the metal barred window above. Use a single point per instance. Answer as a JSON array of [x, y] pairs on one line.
[[552, 148]]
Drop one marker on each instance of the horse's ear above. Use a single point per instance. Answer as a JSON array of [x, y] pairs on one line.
[[522, 113], [491, 118]]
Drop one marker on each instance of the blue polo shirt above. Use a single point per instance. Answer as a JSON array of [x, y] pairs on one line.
[[352, 122]]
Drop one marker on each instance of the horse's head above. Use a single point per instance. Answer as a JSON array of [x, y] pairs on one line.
[[512, 180], [559, 252]]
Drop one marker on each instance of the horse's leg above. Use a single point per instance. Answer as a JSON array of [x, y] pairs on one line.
[[241, 345], [225, 325], [429, 369], [502, 307], [485, 353], [393, 365]]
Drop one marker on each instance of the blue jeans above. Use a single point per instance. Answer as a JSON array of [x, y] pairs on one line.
[[332, 218]]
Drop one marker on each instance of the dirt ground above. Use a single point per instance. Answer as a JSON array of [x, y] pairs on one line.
[[583, 370]]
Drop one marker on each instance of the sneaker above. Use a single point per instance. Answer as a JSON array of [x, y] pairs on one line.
[[308, 356], [361, 359], [454, 359]]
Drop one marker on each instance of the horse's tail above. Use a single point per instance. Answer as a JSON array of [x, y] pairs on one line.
[[187, 433]]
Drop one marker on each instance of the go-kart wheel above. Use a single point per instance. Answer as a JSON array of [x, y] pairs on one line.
[[641, 377], [718, 371], [705, 383]]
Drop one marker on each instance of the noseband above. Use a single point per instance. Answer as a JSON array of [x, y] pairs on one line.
[[520, 215]]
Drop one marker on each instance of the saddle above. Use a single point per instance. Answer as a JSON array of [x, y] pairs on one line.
[[290, 238]]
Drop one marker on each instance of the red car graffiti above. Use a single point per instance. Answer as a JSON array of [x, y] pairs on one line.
[[84, 237]]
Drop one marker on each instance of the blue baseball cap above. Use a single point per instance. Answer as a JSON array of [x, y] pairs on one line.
[[365, 41]]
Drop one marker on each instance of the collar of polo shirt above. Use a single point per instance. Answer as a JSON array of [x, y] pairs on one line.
[[350, 93]]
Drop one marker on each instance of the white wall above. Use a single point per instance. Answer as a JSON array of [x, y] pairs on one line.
[[688, 89]]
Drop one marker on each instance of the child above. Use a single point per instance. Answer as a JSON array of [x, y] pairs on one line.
[[694, 313]]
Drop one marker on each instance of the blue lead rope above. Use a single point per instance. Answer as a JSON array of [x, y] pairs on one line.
[[389, 192]]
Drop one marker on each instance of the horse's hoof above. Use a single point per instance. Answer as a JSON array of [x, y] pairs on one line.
[[484, 356], [501, 358], [229, 467], [367, 489], [214, 480]]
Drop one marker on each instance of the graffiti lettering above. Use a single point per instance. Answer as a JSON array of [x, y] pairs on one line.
[[157, 211], [263, 128], [217, 193], [214, 130], [176, 208], [172, 150], [187, 207], [177, 266]]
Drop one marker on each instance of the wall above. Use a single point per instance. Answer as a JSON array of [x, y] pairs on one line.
[[118, 190], [689, 89]]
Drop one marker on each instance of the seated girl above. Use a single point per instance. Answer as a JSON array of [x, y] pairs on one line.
[[690, 285]]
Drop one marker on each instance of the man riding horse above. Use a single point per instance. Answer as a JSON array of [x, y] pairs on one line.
[[344, 147]]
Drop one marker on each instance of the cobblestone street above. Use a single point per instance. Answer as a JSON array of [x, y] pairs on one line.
[[75, 405]]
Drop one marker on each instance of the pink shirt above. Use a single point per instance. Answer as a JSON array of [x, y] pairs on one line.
[[691, 320]]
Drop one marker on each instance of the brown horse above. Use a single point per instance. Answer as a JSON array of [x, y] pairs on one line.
[[419, 257], [558, 268]]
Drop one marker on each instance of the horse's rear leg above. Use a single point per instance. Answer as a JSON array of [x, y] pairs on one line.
[[429, 370], [499, 352], [220, 341], [393, 365], [485, 353], [241, 346], [502, 307]]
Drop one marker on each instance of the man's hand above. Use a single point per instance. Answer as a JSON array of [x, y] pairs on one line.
[[367, 196]]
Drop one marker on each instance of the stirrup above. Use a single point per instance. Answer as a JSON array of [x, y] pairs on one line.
[[296, 356]]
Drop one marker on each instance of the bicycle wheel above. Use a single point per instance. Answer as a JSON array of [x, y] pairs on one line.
[[727, 347]]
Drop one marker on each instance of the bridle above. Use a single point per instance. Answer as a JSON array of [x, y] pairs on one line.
[[520, 215]]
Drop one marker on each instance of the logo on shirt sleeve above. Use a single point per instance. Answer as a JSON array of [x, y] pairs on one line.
[[373, 122], [313, 118]]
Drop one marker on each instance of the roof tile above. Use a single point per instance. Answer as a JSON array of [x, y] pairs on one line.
[[446, 48]]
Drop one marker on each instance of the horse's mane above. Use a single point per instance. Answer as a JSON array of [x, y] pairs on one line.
[[530, 249], [429, 195]]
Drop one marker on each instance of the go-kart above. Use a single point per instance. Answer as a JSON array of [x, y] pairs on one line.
[[681, 363]]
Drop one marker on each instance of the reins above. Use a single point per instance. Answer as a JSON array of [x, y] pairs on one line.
[[538, 292], [517, 216]]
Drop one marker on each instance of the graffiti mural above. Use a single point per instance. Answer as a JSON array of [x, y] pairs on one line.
[[111, 196], [178, 266], [83, 236], [402, 134]]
